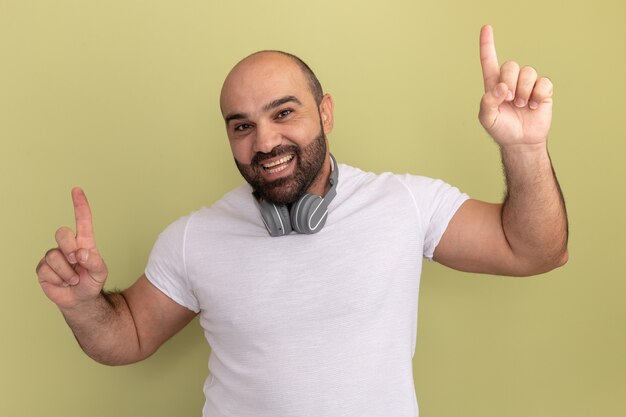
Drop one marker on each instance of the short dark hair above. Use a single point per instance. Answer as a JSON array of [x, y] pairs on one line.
[[314, 83]]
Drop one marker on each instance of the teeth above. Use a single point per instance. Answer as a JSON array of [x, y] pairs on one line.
[[272, 171], [280, 161], [268, 167]]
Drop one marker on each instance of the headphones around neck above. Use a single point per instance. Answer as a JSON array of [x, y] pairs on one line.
[[307, 215]]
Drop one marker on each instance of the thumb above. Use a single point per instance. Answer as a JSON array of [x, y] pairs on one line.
[[489, 105], [93, 263]]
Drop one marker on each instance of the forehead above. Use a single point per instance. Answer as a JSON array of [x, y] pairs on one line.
[[261, 78]]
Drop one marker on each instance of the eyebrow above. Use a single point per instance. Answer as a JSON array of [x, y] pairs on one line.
[[279, 102], [269, 106]]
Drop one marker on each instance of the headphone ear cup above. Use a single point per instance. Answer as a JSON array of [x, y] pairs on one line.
[[308, 215], [276, 218]]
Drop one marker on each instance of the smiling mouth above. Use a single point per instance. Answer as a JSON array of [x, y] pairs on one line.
[[278, 165]]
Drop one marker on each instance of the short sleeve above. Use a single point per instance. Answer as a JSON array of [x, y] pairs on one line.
[[166, 268], [436, 203]]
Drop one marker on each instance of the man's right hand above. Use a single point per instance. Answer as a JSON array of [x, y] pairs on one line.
[[73, 273]]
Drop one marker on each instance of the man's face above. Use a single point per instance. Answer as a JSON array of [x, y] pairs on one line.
[[286, 189], [276, 130]]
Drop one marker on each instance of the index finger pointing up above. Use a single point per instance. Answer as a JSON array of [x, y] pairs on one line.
[[488, 58], [82, 213]]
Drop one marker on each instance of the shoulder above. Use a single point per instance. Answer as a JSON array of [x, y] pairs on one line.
[[356, 179], [352, 178], [236, 205]]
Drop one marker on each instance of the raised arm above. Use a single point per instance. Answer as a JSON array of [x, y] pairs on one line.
[[526, 234], [112, 328]]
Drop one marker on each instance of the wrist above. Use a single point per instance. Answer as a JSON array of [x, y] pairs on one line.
[[87, 310], [529, 149], [525, 154]]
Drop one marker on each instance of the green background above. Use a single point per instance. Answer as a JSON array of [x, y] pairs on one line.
[[121, 97]]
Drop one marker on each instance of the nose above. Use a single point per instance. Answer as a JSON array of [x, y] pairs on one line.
[[267, 138]]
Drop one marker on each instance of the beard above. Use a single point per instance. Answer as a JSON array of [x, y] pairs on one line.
[[287, 190]]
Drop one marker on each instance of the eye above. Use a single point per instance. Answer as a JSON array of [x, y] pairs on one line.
[[241, 127], [283, 113]]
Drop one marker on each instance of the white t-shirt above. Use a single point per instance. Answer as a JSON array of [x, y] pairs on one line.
[[319, 325]]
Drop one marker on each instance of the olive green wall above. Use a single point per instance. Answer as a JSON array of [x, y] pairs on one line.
[[121, 97]]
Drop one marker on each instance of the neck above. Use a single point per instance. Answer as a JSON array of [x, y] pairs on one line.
[[321, 183]]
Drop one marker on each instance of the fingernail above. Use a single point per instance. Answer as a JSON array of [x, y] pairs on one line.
[[497, 92], [74, 281], [84, 255], [520, 102], [72, 257], [65, 284], [533, 105], [509, 96]]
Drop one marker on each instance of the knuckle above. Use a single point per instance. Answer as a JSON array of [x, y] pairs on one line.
[[53, 258], [545, 82], [61, 233], [44, 271], [528, 76], [47, 275], [510, 66], [41, 266], [544, 86], [50, 254], [526, 83]]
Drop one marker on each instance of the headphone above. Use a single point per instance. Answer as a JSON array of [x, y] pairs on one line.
[[307, 215]]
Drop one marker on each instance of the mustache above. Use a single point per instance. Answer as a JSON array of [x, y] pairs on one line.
[[259, 157]]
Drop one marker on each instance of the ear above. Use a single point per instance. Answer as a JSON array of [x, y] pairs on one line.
[[326, 113]]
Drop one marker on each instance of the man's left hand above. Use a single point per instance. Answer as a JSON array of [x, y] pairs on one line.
[[516, 108]]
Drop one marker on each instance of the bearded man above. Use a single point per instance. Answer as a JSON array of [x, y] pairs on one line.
[[306, 278]]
